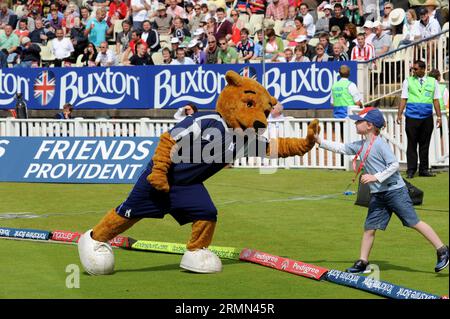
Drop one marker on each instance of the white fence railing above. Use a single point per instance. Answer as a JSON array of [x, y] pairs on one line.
[[342, 130], [383, 76]]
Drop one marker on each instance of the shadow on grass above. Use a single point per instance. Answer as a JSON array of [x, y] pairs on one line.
[[384, 265], [169, 267]]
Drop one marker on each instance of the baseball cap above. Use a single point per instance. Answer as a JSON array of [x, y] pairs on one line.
[[335, 28], [368, 24], [174, 40], [327, 6], [25, 40], [371, 115], [301, 38], [192, 43], [422, 11], [199, 31], [161, 7], [377, 24]]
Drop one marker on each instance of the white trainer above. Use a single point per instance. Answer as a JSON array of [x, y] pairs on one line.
[[201, 261], [96, 257]]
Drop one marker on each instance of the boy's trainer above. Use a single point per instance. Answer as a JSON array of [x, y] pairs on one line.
[[442, 258], [360, 267]]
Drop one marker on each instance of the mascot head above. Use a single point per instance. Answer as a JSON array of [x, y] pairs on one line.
[[244, 103]]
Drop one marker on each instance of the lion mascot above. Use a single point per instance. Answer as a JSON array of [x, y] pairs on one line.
[[191, 152]]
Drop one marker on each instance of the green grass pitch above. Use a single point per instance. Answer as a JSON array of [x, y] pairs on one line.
[[255, 211]]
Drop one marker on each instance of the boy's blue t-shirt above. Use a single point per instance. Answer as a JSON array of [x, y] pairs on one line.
[[379, 158]]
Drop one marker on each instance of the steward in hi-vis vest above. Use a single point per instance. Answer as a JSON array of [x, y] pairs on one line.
[[344, 93]]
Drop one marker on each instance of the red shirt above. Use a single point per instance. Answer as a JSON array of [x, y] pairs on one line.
[[365, 53], [120, 9], [132, 45]]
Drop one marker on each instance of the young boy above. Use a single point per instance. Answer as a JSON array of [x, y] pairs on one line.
[[388, 191]]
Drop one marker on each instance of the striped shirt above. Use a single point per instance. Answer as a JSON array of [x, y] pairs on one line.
[[365, 53], [278, 12]]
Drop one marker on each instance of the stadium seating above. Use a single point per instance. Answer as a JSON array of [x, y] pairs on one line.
[[157, 58]]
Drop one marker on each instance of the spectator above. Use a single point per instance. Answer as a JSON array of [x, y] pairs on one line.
[[40, 34], [22, 30], [211, 26], [324, 39], [299, 55], [339, 19], [55, 21], [385, 21], [370, 10], [227, 54], [135, 39], [200, 35], [55, 7], [245, 46], [89, 55], [381, 42], [30, 54], [289, 22], [320, 56], [150, 36], [354, 11], [308, 50], [105, 56], [181, 58], [9, 42], [123, 38], [212, 51], [139, 12], [274, 44], [174, 43], [175, 10], [66, 114], [185, 111], [224, 27], [198, 56], [443, 90], [118, 10], [5, 15], [259, 37], [363, 51], [335, 31], [419, 95], [344, 42], [189, 8], [180, 31], [276, 113], [243, 6], [68, 21], [274, 121], [236, 28], [308, 20], [299, 30], [323, 24], [167, 56], [368, 31], [434, 12], [344, 93], [85, 16], [163, 21], [97, 28], [141, 57], [194, 21], [350, 33], [62, 48], [78, 37], [338, 53], [277, 10], [411, 29], [428, 26], [209, 10], [287, 56], [258, 6]]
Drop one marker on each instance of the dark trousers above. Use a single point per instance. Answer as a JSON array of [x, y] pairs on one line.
[[418, 132]]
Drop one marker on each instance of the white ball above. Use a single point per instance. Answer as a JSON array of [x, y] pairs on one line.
[[96, 257]]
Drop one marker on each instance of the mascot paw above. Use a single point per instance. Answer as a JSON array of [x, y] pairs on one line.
[[159, 182], [313, 131], [201, 261], [96, 257]]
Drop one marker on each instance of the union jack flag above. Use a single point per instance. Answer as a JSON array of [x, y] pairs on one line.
[[44, 87], [248, 72]]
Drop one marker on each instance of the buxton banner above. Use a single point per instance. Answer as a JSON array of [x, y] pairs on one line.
[[305, 85], [74, 159]]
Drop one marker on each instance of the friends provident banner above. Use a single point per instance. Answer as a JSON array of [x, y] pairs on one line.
[[305, 85], [74, 159]]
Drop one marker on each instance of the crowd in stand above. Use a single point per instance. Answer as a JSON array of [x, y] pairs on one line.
[[147, 32]]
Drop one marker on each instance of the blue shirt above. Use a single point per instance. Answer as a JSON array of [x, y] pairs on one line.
[[205, 146], [379, 158], [98, 33]]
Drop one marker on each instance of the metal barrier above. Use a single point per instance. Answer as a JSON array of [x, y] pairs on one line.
[[383, 76], [341, 130]]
